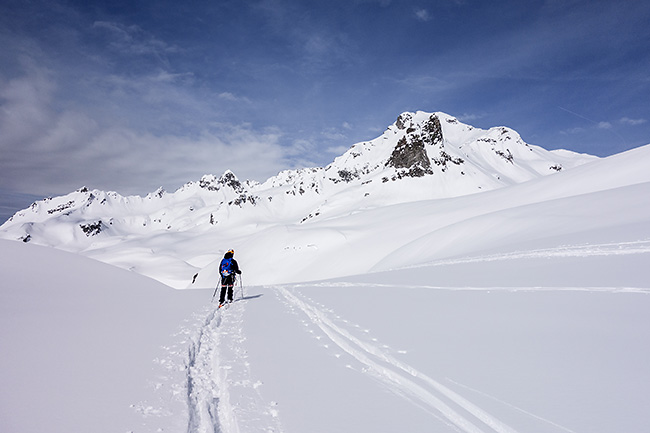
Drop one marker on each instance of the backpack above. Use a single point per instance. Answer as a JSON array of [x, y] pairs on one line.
[[225, 268]]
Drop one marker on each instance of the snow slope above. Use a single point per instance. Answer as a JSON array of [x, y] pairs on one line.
[[522, 309], [87, 347]]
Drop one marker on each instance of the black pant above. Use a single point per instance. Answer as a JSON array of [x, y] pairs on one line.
[[226, 283]]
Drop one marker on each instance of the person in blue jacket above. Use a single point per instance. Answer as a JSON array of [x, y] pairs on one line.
[[228, 269]]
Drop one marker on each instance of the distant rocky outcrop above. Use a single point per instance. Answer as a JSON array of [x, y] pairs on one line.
[[92, 228]]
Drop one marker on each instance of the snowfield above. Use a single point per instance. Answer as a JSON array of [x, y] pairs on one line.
[[521, 309], [93, 348]]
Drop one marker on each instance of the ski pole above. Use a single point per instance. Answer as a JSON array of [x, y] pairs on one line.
[[241, 286], [215, 290]]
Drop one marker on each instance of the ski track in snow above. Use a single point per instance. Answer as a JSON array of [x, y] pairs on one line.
[[221, 395], [517, 408], [644, 290], [588, 250], [404, 380]]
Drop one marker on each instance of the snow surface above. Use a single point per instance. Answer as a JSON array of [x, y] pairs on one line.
[[521, 309]]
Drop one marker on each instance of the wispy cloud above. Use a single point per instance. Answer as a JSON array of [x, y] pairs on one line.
[[571, 131], [292, 80], [231, 97], [633, 122], [333, 134], [38, 137], [423, 15], [131, 39], [469, 117], [337, 150], [425, 82], [168, 77]]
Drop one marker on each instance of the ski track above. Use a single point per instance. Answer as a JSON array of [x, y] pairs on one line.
[[517, 408], [587, 250], [642, 290], [221, 395], [401, 377]]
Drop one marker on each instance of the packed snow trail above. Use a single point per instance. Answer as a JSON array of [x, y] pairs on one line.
[[221, 396], [205, 397]]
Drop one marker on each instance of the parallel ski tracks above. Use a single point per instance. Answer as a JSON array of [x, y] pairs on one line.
[[216, 372], [403, 379], [583, 250]]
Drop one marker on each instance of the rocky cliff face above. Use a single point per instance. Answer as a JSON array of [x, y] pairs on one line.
[[410, 155]]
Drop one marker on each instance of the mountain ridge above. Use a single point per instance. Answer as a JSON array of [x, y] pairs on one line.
[[421, 156]]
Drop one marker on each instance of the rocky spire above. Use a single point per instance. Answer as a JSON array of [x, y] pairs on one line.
[[410, 153]]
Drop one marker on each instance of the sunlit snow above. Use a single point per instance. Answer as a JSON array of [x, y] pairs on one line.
[[521, 308]]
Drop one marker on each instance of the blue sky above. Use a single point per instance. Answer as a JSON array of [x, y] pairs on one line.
[[133, 95]]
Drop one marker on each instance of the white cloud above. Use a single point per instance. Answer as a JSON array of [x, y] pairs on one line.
[[572, 131], [423, 15], [167, 77], [633, 122], [228, 96], [46, 149], [134, 40], [337, 150], [604, 125], [468, 117], [333, 134]]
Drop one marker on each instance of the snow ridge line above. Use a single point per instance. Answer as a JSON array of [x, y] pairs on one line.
[[390, 373]]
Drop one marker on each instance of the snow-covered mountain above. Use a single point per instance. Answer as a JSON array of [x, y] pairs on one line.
[[421, 156]]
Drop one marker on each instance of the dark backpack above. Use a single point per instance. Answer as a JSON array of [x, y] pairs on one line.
[[225, 268]]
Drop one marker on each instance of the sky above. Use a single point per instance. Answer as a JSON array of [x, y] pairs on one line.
[[129, 96]]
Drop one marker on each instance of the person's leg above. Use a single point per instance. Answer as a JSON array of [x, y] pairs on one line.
[[222, 294], [231, 284]]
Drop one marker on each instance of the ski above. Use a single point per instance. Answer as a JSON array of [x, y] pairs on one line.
[[225, 304]]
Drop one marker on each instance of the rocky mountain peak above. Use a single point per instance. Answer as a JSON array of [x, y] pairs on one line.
[[228, 178], [410, 154]]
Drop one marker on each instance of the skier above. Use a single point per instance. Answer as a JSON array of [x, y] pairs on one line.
[[228, 270]]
